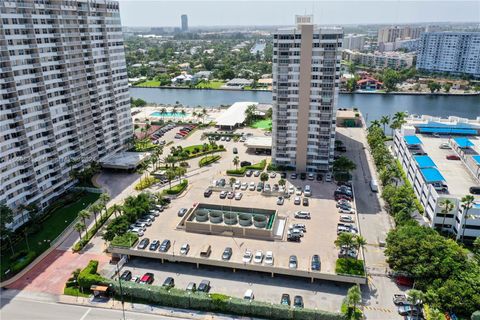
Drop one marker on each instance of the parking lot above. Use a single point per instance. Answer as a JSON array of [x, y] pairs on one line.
[[321, 229], [324, 295]]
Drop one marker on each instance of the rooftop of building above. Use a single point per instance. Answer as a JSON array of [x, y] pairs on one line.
[[235, 114], [437, 122]]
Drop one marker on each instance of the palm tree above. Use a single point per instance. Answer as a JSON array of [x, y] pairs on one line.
[[79, 227], [204, 114], [282, 182], [84, 215], [354, 297], [232, 181], [104, 198], [447, 205], [374, 124], [147, 128], [385, 120], [345, 239], [467, 204], [359, 242], [163, 112], [236, 161], [116, 208], [183, 112], [95, 209], [398, 120]]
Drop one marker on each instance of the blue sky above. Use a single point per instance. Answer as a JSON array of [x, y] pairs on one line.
[[229, 12]]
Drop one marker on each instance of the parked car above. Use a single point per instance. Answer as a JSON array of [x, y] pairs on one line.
[[303, 176], [238, 196], [258, 258], [165, 246], [182, 212], [154, 245], [227, 254], [291, 190], [184, 248], [305, 202], [223, 194], [307, 191], [230, 195], [168, 283], [293, 176], [143, 243], [248, 295], [285, 300], [135, 279], [207, 193], [237, 184], [247, 256], [404, 281], [343, 209], [345, 218], [260, 186], [273, 175], [316, 262], [126, 275], [249, 173], [302, 215], [311, 176], [235, 150], [244, 186], [269, 258], [298, 302], [147, 278], [298, 191], [137, 231], [328, 177], [280, 200], [347, 253], [474, 190], [400, 299], [146, 221], [409, 310], [292, 262], [294, 232], [293, 238], [297, 200], [452, 157], [204, 286], [445, 146], [256, 173], [191, 287], [251, 186]]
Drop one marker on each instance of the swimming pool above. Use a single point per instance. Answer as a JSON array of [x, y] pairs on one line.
[[168, 114]]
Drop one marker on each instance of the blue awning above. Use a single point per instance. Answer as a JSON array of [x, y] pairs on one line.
[[412, 140], [434, 124], [476, 159], [424, 162], [463, 142], [448, 131], [432, 175]]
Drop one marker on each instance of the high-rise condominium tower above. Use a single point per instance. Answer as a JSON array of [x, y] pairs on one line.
[[306, 70], [184, 18], [64, 98]]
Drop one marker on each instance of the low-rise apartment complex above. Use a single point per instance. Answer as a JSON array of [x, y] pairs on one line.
[[64, 99], [441, 158], [380, 60]]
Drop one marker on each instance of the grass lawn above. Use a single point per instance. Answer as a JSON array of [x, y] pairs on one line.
[[50, 229], [149, 83], [144, 145], [263, 124], [209, 85]]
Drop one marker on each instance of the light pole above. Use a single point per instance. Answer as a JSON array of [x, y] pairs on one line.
[[121, 293]]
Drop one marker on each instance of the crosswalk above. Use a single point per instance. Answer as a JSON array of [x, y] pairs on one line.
[[378, 309]]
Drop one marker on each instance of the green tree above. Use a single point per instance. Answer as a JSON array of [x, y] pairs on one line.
[[345, 240], [282, 182], [6, 217], [398, 120], [374, 124], [434, 86], [447, 205], [343, 164], [250, 114], [79, 227], [264, 176], [467, 203], [96, 208], [104, 198], [353, 298], [390, 79], [385, 120], [117, 209], [447, 86], [84, 215], [351, 84], [236, 161], [435, 314], [232, 181]]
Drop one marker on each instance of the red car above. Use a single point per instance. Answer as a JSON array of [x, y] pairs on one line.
[[404, 281], [147, 278], [453, 157]]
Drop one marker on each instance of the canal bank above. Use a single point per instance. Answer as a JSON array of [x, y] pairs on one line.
[[372, 106]]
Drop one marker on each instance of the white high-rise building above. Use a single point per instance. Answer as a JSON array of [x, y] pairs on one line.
[[452, 52], [354, 42], [63, 95], [306, 71]]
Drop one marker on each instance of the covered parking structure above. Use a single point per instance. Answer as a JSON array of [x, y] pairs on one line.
[[259, 144], [234, 116]]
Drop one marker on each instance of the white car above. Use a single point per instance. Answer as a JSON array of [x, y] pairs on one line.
[[184, 248], [251, 187], [244, 186], [138, 231], [238, 196], [298, 192], [269, 258], [302, 215], [295, 232], [307, 191], [445, 146], [281, 189], [346, 219], [291, 190], [328, 177], [147, 221], [237, 185], [345, 210], [311, 176], [247, 256], [297, 201], [273, 175], [258, 258]]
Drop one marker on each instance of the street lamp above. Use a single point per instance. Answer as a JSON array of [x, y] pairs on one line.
[[121, 292]]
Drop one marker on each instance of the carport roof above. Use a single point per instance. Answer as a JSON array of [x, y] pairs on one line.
[[412, 140], [424, 162], [432, 175], [463, 142], [476, 159]]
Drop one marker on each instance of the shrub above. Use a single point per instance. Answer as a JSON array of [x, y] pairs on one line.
[[145, 183], [126, 240], [88, 276], [73, 291], [23, 261], [349, 266], [207, 160], [177, 189]]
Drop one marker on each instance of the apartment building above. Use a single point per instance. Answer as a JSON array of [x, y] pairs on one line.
[[306, 71], [184, 19], [441, 160], [354, 42], [392, 33], [64, 99], [380, 60], [457, 53]]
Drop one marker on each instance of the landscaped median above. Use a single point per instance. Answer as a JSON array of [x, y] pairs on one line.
[[175, 298], [177, 189], [241, 172], [349, 266], [208, 160], [194, 151]]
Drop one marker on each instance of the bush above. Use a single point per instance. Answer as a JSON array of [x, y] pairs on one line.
[[177, 189], [73, 291], [349, 266], [207, 160], [88, 276], [23, 261], [145, 183], [126, 240]]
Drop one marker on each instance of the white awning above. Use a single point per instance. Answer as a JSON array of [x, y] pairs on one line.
[[234, 115]]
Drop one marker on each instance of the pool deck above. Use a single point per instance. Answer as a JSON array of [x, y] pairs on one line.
[[153, 113]]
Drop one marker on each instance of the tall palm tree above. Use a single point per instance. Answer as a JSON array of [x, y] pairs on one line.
[[467, 204], [163, 112], [385, 120], [359, 242], [345, 239], [374, 124], [117, 209], [236, 161], [447, 205], [204, 114], [354, 297], [95, 209], [104, 198], [79, 227], [398, 120], [84, 215]]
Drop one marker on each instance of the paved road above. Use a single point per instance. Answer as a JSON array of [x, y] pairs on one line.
[[374, 224]]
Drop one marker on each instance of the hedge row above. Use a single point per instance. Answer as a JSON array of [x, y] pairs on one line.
[[242, 170], [217, 303], [92, 231], [126, 240], [177, 189], [20, 264], [88, 276], [207, 160]]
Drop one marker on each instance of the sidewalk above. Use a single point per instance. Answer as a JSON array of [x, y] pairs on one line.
[[148, 309]]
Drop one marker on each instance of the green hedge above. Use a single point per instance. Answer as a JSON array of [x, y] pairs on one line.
[[177, 189], [23, 261], [217, 303], [71, 291], [349, 266], [126, 240], [241, 172], [88, 276], [207, 160]]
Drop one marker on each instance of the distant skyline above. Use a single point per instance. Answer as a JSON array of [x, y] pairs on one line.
[[152, 13]]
